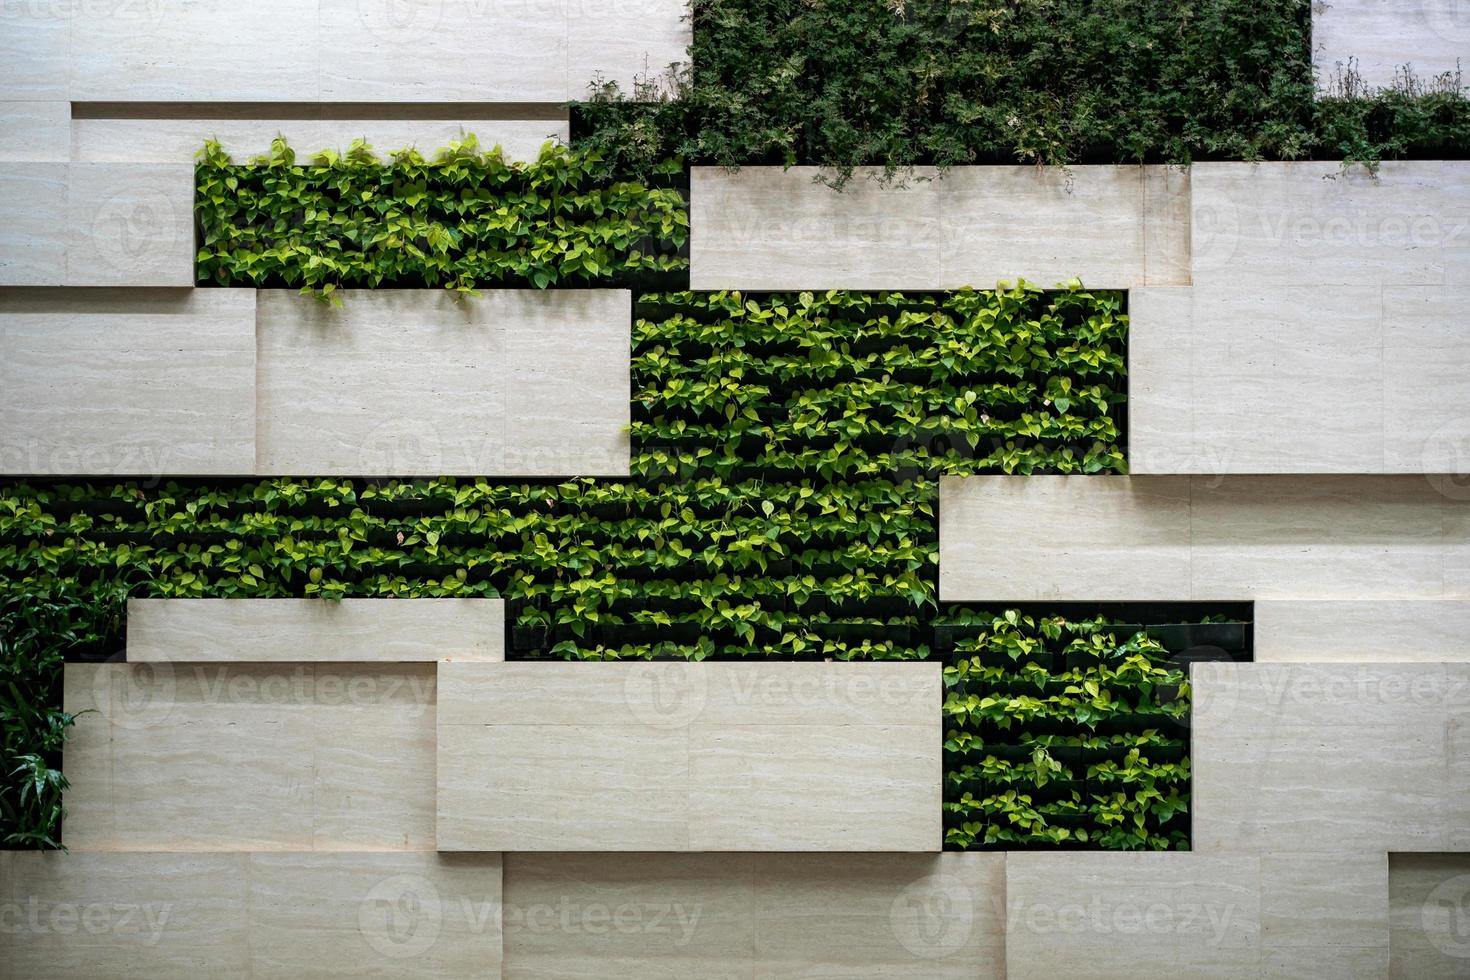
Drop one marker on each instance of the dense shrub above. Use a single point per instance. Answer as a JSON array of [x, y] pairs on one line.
[[462, 220], [900, 82]]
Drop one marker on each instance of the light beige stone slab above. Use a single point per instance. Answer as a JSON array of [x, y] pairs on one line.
[[96, 224], [315, 631], [1315, 223], [164, 915], [769, 228], [130, 224], [176, 140], [683, 756], [1229, 916], [1379, 38], [127, 382], [1328, 757], [1033, 538], [254, 757], [35, 131], [419, 382], [624, 41], [1364, 630], [1062, 537], [158, 52], [668, 916], [1429, 895]]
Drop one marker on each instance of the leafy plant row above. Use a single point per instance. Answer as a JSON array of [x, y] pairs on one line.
[[894, 83], [464, 219], [1063, 732]]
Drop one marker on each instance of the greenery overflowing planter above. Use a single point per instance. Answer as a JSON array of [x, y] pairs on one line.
[[465, 219], [894, 83], [779, 506]]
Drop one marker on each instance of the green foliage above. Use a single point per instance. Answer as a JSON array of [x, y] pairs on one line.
[[895, 83], [462, 220], [1059, 732], [37, 628]]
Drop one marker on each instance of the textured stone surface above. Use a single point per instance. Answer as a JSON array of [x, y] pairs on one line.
[[1364, 630], [1379, 37], [34, 131], [1174, 538], [768, 228], [420, 382], [312, 630], [1330, 757], [32, 219], [176, 140], [454, 51], [681, 756], [288, 757], [164, 915], [133, 382], [1429, 897], [672, 916], [1228, 916]]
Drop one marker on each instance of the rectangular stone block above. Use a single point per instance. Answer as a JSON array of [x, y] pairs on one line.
[[315, 631], [281, 757], [865, 916], [689, 757], [127, 382], [1098, 915], [767, 228], [422, 382], [35, 41], [1362, 630], [179, 914], [1327, 758], [1113, 538], [1377, 38], [96, 224]]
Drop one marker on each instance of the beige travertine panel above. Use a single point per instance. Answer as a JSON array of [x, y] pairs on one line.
[[163, 915], [35, 131], [682, 756], [1429, 896], [1316, 224], [1364, 630], [1329, 757], [769, 228], [133, 382], [623, 41], [313, 630], [1230, 916], [253, 757], [177, 140], [1063, 537], [162, 52], [421, 382], [1175, 538], [672, 916], [96, 224], [1379, 37], [130, 224]]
